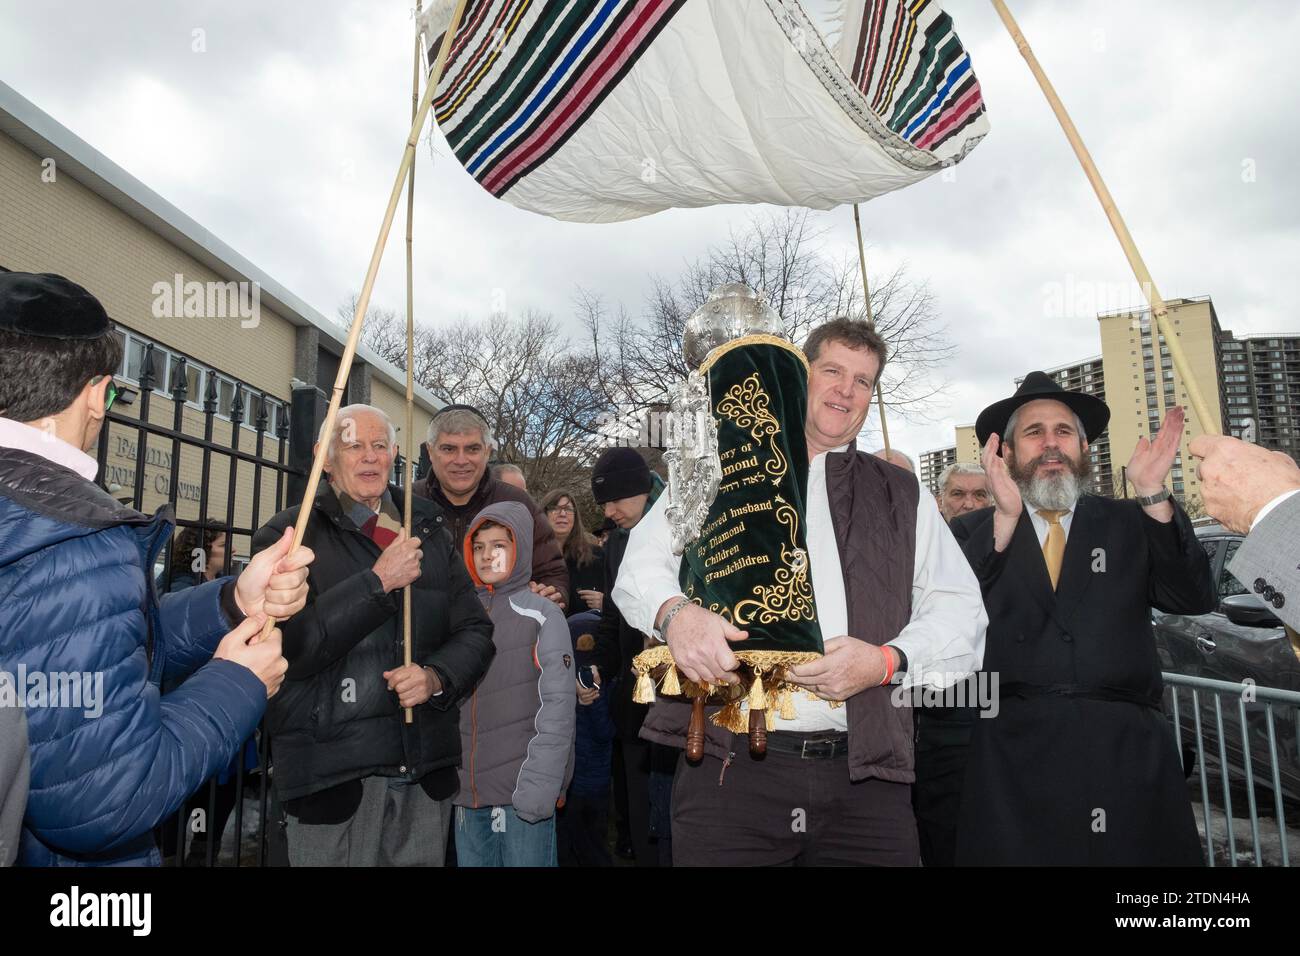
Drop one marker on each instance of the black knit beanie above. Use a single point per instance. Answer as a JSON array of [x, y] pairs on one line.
[[619, 473]]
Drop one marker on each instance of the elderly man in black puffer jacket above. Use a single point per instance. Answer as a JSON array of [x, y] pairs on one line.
[[361, 786]]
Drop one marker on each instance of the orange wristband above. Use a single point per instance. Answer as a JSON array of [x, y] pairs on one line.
[[889, 665]]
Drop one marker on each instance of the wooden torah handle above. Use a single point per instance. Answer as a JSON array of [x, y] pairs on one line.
[[695, 732], [757, 732]]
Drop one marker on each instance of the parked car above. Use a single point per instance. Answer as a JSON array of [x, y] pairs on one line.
[[1239, 642]]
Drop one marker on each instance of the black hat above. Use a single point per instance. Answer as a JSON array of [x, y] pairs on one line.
[[619, 473], [1092, 411], [49, 306]]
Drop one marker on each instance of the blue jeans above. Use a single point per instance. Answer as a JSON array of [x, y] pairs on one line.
[[496, 836]]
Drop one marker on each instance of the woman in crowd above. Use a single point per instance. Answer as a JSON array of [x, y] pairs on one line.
[[583, 557], [208, 553]]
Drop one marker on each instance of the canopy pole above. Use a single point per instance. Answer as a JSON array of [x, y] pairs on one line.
[[1159, 311], [368, 286], [871, 320], [408, 470]]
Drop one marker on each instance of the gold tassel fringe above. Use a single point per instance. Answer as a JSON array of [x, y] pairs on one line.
[[785, 701], [670, 686], [730, 718], [644, 692], [757, 699]]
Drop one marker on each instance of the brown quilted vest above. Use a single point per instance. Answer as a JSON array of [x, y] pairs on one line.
[[873, 508]]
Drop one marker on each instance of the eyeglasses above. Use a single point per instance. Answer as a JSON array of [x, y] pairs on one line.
[[110, 394], [566, 509]]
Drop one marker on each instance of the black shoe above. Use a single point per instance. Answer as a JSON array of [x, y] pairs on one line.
[[623, 850]]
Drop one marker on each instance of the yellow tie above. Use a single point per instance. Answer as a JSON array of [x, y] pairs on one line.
[[1054, 544]]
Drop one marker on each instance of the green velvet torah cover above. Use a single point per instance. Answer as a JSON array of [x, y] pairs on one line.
[[750, 562]]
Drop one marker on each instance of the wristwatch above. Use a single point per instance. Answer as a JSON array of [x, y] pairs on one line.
[[1161, 495]]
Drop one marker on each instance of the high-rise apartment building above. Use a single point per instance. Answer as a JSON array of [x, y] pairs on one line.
[[1142, 383], [933, 463], [1262, 385]]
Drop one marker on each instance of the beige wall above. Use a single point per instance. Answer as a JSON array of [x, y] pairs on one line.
[[393, 403], [63, 227], [1126, 393]]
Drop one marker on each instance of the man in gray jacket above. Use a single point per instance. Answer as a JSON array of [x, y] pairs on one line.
[[1253, 491], [517, 726]]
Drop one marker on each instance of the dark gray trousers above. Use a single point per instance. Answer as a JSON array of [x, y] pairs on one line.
[[396, 824], [783, 810]]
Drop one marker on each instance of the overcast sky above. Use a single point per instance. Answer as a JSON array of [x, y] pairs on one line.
[[282, 137]]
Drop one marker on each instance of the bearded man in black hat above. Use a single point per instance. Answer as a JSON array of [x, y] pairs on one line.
[[1079, 766]]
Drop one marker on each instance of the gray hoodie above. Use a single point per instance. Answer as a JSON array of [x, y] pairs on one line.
[[14, 774], [517, 726]]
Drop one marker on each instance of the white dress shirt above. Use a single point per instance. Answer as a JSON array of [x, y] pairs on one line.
[[48, 445], [943, 641], [1263, 512]]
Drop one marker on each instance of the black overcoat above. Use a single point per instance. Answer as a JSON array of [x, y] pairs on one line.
[[1080, 766]]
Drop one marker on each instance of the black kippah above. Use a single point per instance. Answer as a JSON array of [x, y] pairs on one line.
[[49, 306]]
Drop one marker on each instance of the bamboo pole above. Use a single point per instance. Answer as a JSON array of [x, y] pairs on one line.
[[1159, 312], [408, 476], [368, 286], [871, 319]]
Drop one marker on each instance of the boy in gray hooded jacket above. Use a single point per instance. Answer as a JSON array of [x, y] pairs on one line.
[[517, 726]]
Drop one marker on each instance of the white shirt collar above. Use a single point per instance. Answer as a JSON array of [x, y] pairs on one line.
[[48, 445], [821, 456]]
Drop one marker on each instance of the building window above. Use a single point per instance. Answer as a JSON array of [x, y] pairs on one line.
[[166, 364], [135, 350]]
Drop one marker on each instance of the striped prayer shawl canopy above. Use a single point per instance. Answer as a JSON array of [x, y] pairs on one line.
[[606, 110]]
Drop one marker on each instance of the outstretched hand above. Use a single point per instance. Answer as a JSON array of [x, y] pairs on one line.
[[1238, 478], [1152, 460]]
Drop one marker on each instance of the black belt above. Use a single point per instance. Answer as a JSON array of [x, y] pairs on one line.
[[1111, 694], [810, 746]]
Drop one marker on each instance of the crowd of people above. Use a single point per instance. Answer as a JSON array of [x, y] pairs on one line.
[[513, 731]]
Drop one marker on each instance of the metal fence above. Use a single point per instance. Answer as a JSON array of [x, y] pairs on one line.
[[160, 445], [1243, 741]]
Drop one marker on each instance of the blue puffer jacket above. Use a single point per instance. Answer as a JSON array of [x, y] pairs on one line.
[[76, 596], [594, 741]]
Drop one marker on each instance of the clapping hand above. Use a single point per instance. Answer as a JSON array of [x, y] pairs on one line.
[[1007, 503], [1152, 460]]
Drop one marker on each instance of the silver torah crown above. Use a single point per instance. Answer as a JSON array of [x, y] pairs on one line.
[[694, 468], [731, 311]]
